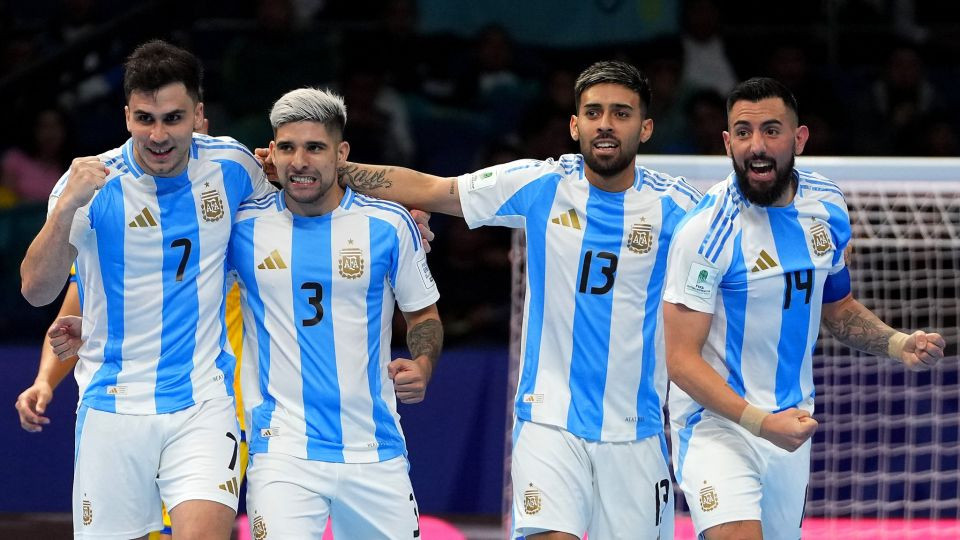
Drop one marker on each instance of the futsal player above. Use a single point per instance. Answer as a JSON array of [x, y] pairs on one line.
[[148, 224], [589, 450], [320, 268], [752, 271]]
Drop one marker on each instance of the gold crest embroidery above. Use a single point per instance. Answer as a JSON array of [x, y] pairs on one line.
[[820, 239], [641, 238], [351, 263], [211, 206]]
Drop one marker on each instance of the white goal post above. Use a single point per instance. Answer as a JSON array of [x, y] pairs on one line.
[[888, 445]]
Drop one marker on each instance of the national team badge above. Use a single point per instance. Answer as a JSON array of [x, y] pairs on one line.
[[531, 501], [641, 238], [259, 528], [351, 262], [211, 205], [708, 499], [820, 239], [87, 512]]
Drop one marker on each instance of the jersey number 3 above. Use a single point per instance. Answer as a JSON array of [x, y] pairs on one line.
[[314, 300]]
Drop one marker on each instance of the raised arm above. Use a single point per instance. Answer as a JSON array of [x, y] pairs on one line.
[[47, 263], [425, 341], [32, 402], [685, 332], [857, 327]]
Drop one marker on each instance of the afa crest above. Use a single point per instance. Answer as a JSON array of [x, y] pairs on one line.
[[708, 499], [87, 512], [211, 206], [820, 239], [531, 501], [641, 238], [351, 263], [259, 528]]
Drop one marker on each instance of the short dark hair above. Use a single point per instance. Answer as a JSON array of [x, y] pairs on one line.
[[156, 64], [759, 88], [615, 72]]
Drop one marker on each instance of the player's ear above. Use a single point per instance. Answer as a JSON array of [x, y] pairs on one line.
[[800, 139], [343, 150], [646, 129], [574, 132]]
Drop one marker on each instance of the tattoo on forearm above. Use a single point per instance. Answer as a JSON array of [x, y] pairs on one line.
[[453, 186], [363, 179], [867, 334], [426, 339]]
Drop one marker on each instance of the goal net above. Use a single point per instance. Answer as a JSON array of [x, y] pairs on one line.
[[888, 445]]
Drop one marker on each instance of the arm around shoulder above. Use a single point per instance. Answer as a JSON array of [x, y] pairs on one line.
[[408, 187]]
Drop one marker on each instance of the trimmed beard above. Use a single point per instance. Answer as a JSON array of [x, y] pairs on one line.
[[770, 195], [611, 167]]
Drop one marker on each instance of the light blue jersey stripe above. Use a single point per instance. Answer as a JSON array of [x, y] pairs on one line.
[[110, 227], [362, 200], [237, 192], [686, 432], [839, 229], [795, 324], [78, 432], [735, 307], [536, 199], [648, 402], [593, 311], [242, 256], [382, 236], [174, 389], [309, 268]]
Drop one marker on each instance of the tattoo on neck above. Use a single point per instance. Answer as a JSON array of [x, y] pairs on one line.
[[363, 179], [426, 339]]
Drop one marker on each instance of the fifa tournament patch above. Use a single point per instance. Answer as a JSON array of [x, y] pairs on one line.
[[481, 180], [425, 274], [701, 281]]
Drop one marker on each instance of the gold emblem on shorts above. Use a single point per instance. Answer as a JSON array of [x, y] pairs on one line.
[[211, 205], [87, 512], [820, 239], [259, 528], [641, 237], [531, 501], [351, 262], [708, 499]]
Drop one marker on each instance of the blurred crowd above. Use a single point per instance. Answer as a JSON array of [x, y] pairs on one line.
[[872, 77]]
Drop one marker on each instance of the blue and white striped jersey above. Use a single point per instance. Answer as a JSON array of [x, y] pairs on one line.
[[760, 271], [150, 268], [317, 296], [591, 360]]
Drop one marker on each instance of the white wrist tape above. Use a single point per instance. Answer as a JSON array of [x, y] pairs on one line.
[[752, 418], [896, 344]]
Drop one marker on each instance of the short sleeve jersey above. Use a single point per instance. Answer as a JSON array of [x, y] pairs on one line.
[[591, 360], [150, 266], [318, 296], [760, 272]]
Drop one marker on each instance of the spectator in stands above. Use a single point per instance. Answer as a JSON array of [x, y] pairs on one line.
[[705, 60], [31, 169]]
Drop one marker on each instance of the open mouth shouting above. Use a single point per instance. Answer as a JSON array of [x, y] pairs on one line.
[[762, 169]]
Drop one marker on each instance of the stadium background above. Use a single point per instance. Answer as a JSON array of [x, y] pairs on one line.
[[445, 86]]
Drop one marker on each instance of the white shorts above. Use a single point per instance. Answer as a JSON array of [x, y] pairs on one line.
[[608, 489], [126, 464], [727, 474], [290, 497]]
